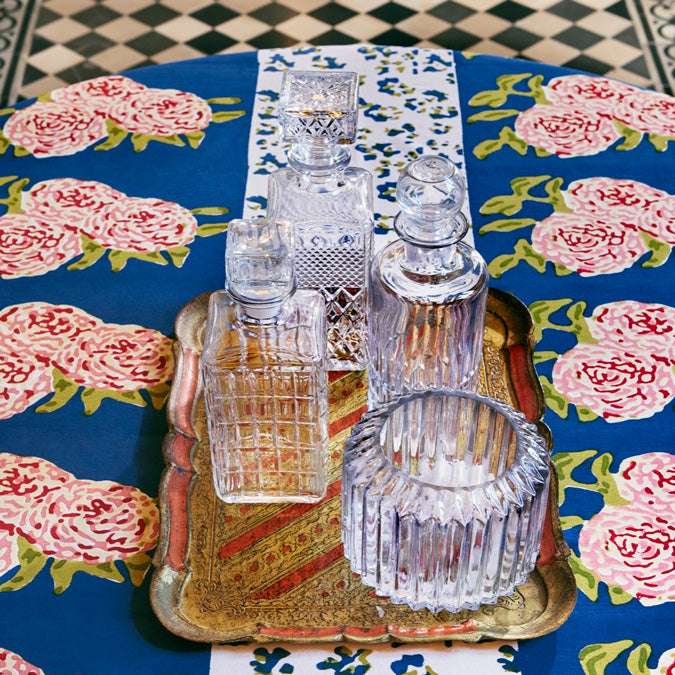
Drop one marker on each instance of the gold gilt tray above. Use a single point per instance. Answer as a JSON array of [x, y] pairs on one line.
[[234, 572]]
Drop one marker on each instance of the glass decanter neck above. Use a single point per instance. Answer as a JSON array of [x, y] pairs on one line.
[[431, 233], [318, 159]]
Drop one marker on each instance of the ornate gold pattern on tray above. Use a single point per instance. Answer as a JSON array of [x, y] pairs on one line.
[[228, 572]]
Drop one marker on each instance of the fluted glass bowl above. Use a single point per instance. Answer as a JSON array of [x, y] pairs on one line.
[[443, 499]]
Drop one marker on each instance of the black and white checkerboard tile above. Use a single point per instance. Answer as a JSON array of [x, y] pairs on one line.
[[80, 39]]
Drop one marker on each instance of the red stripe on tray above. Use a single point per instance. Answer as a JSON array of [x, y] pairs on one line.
[[281, 519], [346, 421], [299, 575]]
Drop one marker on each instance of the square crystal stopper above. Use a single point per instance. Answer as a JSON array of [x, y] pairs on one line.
[[319, 106]]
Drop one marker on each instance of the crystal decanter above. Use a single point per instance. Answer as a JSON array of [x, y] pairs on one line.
[[329, 203], [428, 290], [264, 373]]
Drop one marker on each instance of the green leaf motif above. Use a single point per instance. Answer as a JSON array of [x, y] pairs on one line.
[[91, 253], [62, 572], [210, 211], [116, 135], [541, 311], [554, 399], [14, 193], [492, 115], [522, 252], [543, 356], [31, 562], [586, 414], [194, 138], [587, 582], [565, 464], [224, 100], [119, 259], [92, 398], [178, 254], [561, 270], [595, 658], [660, 143], [510, 204], [158, 394], [637, 660], [507, 225], [227, 115], [555, 195], [211, 228], [632, 137], [506, 137], [617, 596], [141, 141], [64, 390], [568, 522], [20, 151], [4, 143], [535, 85], [660, 251], [606, 484]]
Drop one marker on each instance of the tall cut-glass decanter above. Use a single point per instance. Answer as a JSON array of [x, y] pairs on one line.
[[263, 367], [329, 203], [428, 290]]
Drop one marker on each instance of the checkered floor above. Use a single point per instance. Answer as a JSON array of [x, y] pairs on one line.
[[80, 39]]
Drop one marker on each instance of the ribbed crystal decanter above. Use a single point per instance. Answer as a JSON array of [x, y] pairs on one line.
[[428, 290], [263, 367], [329, 203]]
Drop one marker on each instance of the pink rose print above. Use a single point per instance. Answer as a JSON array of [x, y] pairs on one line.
[[93, 522], [68, 201], [666, 664], [31, 246], [42, 328], [13, 664], [639, 326], [24, 380], [648, 480], [142, 225], [565, 131], [658, 220], [587, 244], [586, 91], [161, 112], [100, 93], [9, 552], [25, 482], [120, 358], [647, 111], [611, 197], [48, 129], [634, 549], [614, 383]]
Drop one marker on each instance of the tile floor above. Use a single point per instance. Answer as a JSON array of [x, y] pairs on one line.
[[79, 39]]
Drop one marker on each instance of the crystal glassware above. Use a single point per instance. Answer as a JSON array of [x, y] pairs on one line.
[[443, 499], [329, 203], [264, 374], [428, 290]]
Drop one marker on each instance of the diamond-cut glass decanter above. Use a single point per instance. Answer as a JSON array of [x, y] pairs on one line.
[[428, 290], [263, 366], [329, 203]]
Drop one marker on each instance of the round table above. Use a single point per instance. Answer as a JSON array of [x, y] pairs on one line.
[[116, 195]]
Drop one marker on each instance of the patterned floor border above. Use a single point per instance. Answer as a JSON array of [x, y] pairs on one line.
[[17, 24], [654, 22]]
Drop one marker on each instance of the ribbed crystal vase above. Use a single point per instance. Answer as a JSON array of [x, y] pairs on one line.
[[443, 499]]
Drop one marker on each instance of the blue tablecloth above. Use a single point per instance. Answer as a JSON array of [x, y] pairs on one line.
[[116, 196]]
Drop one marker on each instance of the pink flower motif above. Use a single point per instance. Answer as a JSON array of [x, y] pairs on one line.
[[68, 201], [587, 244], [634, 549], [647, 111], [117, 357], [9, 551], [161, 112], [566, 131], [47, 129], [614, 383], [25, 482], [648, 480], [13, 664], [42, 328], [31, 246], [612, 198], [142, 225], [93, 522], [100, 93], [24, 380], [638, 326], [587, 91], [658, 220], [666, 664]]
